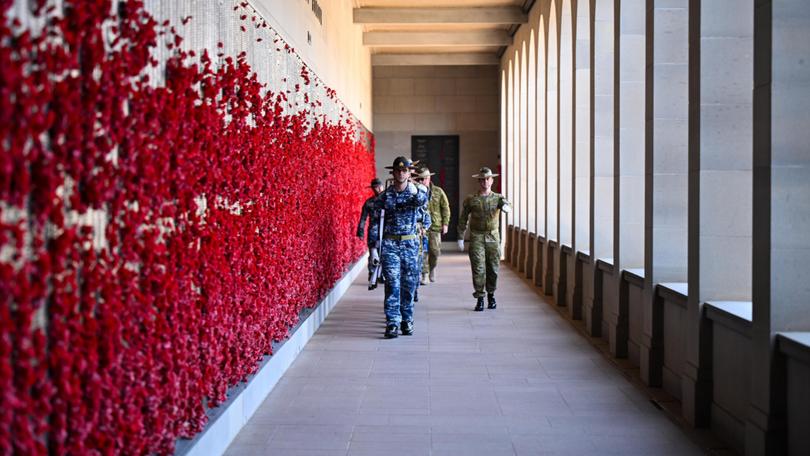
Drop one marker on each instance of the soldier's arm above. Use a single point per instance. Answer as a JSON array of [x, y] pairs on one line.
[[462, 220], [445, 209], [416, 199], [504, 205]]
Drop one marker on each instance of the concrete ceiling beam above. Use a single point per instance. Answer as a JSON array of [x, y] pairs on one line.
[[418, 39], [492, 15], [461, 58]]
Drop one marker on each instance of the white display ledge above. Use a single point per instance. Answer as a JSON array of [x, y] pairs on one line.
[[227, 420]]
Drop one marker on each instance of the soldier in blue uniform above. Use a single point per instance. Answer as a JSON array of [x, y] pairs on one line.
[[400, 246], [373, 216]]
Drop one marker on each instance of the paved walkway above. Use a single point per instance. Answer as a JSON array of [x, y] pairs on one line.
[[518, 380]]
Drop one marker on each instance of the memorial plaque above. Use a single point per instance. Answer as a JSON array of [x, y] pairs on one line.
[[441, 154]]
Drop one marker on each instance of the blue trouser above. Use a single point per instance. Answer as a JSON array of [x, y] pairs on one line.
[[400, 265]]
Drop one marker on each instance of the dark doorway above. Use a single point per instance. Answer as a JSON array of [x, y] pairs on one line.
[[440, 153]]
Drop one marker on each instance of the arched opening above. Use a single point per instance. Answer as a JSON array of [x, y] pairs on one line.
[[516, 142], [724, 225], [604, 122], [510, 141], [524, 139], [531, 157], [541, 156], [503, 157], [597, 310], [582, 129], [566, 120], [552, 145], [540, 128], [670, 133], [726, 145], [632, 66]]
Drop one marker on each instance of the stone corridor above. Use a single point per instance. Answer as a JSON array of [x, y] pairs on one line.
[[519, 380]]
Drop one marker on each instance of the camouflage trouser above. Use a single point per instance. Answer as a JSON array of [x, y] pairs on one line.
[[422, 246], [434, 251], [485, 258], [371, 267], [400, 265]]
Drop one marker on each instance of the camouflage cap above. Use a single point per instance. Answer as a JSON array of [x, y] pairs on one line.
[[484, 172], [376, 182]]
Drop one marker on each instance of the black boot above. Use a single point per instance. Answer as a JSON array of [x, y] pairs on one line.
[[391, 331], [406, 327], [416, 296], [491, 301], [479, 306]]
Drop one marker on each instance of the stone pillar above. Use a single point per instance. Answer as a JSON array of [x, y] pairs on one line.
[[781, 221]]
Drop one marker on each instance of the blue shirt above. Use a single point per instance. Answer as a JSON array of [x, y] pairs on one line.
[[402, 209]]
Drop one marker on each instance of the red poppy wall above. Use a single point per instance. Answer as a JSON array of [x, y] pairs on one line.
[[165, 213]]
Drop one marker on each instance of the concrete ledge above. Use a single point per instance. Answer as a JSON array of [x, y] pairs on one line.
[[634, 276], [736, 315], [675, 292], [605, 265], [227, 420], [795, 345], [584, 257]]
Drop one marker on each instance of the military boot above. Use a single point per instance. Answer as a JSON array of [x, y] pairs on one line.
[[424, 279], [432, 275], [406, 327], [491, 301], [479, 306], [416, 295], [391, 331]]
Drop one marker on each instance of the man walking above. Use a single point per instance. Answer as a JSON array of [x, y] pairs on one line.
[[400, 246], [439, 209], [373, 216], [483, 210]]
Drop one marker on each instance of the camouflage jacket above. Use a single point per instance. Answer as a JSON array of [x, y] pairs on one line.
[[483, 213], [402, 209], [439, 208]]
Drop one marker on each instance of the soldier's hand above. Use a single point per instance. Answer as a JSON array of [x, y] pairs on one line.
[[374, 256], [444, 229], [461, 244]]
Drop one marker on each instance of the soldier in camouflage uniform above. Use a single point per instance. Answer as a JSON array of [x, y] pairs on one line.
[[422, 226], [439, 209], [483, 210], [373, 216], [400, 246]]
